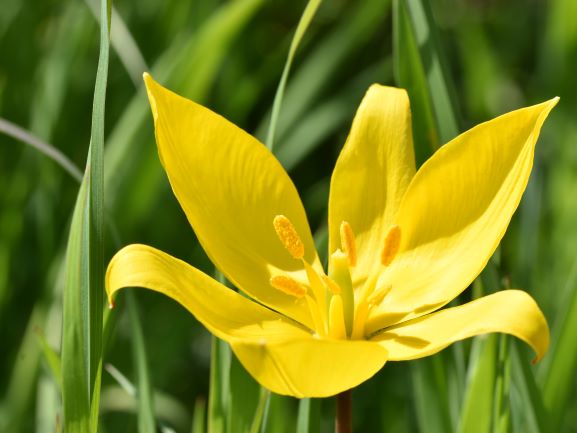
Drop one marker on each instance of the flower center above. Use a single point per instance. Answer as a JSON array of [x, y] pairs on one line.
[[338, 309]]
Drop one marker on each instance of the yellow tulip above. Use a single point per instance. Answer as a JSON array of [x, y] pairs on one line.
[[403, 243]]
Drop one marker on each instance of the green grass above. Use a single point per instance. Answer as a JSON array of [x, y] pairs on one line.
[[148, 364]]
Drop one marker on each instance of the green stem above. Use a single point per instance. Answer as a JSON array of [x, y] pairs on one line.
[[344, 415], [259, 417]]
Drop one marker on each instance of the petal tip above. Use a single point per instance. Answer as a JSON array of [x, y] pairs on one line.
[[151, 86], [554, 101]]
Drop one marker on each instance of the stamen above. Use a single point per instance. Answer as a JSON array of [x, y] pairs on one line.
[[288, 236], [377, 297], [331, 285], [360, 320], [391, 246], [348, 242], [288, 285], [336, 318]]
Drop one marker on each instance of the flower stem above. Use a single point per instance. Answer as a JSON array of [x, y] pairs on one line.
[[344, 416]]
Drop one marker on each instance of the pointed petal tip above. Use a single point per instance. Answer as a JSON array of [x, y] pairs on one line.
[[552, 102], [149, 82], [377, 88], [151, 87]]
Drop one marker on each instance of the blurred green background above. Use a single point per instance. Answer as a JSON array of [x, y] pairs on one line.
[[229, 55]]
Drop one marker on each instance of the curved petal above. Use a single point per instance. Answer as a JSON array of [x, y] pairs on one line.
[[372, 173], [231, 188], [225, 313], [457, 208], [510, 311], [311, 367]]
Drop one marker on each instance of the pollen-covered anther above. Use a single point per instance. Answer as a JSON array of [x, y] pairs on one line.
[[348, 242], [288, 236], [288, 285], [391, 245]]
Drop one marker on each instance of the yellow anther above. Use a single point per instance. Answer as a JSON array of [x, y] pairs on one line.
[[288, 236], [331, 285], [348, 242], [391, 246], [288, 285]]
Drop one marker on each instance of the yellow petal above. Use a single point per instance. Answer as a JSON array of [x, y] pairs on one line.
[[511, 311], [310, 367], [456, 211], [231, 188], [372, 173], [225, 313]]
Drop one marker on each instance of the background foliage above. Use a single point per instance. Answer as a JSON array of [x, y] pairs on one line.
[[463, 61]]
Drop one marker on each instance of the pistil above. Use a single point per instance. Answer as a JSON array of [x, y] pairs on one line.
[[339, 272]]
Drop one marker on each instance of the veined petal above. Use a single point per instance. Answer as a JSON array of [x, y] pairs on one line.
[[309, 366], [456, 211], [231, 188], [225, 313], [510, 311], [372, 173]]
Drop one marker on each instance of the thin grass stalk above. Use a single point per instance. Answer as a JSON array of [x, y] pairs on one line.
[[306, 18]]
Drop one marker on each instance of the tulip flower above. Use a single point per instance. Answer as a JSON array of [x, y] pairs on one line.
[[403, 243]]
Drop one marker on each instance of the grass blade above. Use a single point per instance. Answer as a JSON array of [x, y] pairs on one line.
[[218, 402], [124, 44], [198, 416], [304, 22], [244, 397], [478, 405], [431, 394], [410, 74], [318, 69], [557, 386], [144, 399], [83, 292], [531, 400], [75, 347], [425, 35], [502, 409], [309, 416], [47, 149]]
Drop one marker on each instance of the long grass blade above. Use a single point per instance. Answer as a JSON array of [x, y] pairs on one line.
[[557, 386], [318, 69], [145, 402], [75, 347], [306, 18], [478, 405], [529, 395], [309, 419], [425, 33], [24, 136], [124, 44], [83, 293]]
